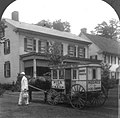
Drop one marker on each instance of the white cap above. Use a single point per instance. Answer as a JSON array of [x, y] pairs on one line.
[[23, 73]]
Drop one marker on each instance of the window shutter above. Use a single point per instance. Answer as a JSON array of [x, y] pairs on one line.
[[74, 51], [47, 46], [39, 46], [9, 70], [68, 49], [84, 52], [34, 45], [5, 48], [8, 46], [25, 44], [61, 49], [5, 69]]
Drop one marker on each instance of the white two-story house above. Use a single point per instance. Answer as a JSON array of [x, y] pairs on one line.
[[26, 46], [107, 50]]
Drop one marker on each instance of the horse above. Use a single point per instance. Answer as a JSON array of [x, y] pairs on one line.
[[40, 83]]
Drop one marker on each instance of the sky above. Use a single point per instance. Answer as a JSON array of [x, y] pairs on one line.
[[79, 13]]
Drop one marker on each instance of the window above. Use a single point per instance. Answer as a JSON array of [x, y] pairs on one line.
[[61, 74], [54, 74], [109, 59], [94, 73], [72, 51], [81, 52], [29, 44], [7, 69], [43, 46], [93, 57], [7, 47], [74, 74]]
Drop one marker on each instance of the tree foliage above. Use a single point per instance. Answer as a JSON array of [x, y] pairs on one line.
[[45, 23], [58, 25], [55, 53], [105, 75], [2, 32], [108, 30], [2, 29], [62, 26]]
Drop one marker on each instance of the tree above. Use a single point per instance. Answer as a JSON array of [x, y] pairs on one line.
[[62, 26], [111, 30], [55, 53], [2, 31], [105, 72], [58, 25], [45, 23]]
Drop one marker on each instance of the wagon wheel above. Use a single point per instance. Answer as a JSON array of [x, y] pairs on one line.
[[99, 98], [52, 97], [78, 96]]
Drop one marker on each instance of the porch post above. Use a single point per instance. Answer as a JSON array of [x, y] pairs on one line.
[[34, 68], [21, 67]]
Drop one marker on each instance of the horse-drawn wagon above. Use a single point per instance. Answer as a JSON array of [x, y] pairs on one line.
[[77, 84]]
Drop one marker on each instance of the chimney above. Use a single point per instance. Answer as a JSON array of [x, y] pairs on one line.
[[83, 30], [15, 15]]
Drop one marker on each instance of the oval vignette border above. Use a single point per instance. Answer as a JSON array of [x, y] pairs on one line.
[[115, 4]]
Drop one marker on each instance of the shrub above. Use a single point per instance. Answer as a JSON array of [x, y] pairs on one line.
[[112, 83], [6, 86], [105, 75]]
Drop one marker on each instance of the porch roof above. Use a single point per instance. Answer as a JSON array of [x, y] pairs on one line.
[[34, 55]]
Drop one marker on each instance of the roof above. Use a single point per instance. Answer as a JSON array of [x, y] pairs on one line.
[[106, 45], [44, 30]]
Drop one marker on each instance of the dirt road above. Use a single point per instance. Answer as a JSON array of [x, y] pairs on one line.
[[39, 109]]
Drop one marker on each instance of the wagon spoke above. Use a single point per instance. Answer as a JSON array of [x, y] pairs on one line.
[[98, 99], [78, 97], [52, 97]]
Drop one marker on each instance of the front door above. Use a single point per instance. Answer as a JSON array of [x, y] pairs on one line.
[[67, 80]]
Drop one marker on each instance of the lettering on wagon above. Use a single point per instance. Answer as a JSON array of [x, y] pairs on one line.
[[59, 84], [93, 82]]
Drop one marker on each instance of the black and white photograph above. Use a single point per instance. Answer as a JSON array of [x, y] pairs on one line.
[[59, 58]]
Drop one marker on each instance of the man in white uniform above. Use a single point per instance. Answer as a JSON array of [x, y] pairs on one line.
[[24, 87]]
